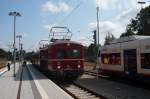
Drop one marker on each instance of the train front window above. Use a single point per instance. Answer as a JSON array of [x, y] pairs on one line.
[[60, 54], [145, 60], [74, 53]]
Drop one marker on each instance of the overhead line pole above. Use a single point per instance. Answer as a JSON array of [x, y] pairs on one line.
[[97, 24]]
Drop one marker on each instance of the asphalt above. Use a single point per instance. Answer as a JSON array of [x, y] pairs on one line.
[[112, 89]]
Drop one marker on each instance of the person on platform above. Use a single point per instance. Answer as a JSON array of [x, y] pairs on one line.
[[8, 65], [24, 64]]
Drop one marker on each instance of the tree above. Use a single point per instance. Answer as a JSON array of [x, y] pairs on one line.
[[5, 55], [109, 37], [91, 52], [28, 55], [128, 32], [140, 25]]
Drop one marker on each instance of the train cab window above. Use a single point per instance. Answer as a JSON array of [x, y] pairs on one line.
[[145, 60], [111, 59], [74, 53], [60, 54]]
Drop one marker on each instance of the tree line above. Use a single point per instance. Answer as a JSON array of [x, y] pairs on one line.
[[5, 54]]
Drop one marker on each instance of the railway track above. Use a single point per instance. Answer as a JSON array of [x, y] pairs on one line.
[[95, 74], [79, 92], [128, 81]]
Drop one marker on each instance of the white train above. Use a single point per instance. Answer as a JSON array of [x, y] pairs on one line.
[[128, 56]]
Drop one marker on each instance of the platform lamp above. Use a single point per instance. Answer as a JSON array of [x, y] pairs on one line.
[[141, 3], [14, 14]]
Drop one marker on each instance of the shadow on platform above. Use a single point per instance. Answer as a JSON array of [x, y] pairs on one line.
[[24, 72]]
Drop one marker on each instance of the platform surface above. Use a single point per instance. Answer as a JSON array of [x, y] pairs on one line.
[[26, 87]]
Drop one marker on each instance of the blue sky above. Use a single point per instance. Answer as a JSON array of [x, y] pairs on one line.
[[39, 15]]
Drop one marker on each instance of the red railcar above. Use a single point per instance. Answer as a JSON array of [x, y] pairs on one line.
[[62, 58]]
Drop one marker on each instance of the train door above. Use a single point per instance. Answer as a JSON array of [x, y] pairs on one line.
[[130, 62]]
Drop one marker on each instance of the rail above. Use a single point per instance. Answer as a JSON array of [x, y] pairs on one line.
[[80, 92]]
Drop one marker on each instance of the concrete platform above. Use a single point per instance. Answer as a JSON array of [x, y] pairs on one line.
[[47, 89], [8, 84], [28, 84], [111, 89]]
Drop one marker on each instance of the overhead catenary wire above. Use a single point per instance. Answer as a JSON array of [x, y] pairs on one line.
[[56, 18], [67, 17]]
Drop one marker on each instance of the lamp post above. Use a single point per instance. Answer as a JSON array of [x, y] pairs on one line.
[[14, 14], [19, 37], [141, 3]]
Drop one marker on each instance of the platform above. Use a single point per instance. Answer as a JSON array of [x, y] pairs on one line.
[[28, 84]]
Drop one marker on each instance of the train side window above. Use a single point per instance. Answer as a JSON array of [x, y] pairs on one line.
[[145, 60], [112, 59]]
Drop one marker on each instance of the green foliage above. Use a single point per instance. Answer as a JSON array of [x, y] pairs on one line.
[[139, 25], [91, 52], [5, 55], [128, 32], [109, 37], [28, 55]]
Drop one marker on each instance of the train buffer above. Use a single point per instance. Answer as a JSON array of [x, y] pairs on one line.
[[28, 84]]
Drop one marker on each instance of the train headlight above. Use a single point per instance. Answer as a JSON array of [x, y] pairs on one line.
[[58, 67], [79, 66]]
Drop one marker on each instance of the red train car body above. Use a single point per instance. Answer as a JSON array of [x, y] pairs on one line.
[[62, 58]]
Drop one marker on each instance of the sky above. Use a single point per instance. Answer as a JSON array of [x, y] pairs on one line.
[[38, 16]]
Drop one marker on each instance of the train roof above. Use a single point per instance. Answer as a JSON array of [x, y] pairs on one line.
[[59, 42], [64, 41], [128, 39]]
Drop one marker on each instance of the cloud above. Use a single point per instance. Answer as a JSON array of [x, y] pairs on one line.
[[106, 4], [48, 27], [116, 25], [83, 40], [117, 4], [55, 8]]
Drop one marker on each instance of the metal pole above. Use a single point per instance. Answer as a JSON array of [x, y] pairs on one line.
[[19, 37], [14, 45], [19, 51], [21, 57], [98, 24]]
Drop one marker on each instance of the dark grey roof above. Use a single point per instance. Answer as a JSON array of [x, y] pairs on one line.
[[129, 38]]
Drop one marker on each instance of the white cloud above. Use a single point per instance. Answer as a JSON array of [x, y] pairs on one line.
[[116, 25], [117, 4], [55, 8], [48, 27]]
